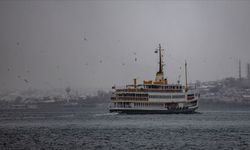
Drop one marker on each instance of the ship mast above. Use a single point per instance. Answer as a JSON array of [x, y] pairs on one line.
[[160, 60], [186, 84], [160, 75]]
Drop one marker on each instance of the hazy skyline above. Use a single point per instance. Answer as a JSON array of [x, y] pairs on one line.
[[55, 44]]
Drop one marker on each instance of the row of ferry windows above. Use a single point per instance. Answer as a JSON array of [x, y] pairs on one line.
[[133, 99], [166, 96], [132, 95], [164, 87], [125, 105], [147, 105]]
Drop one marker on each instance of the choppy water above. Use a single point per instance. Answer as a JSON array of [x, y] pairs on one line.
[[81, 128]]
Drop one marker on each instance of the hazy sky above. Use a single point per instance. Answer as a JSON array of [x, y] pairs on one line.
[[53, 44]]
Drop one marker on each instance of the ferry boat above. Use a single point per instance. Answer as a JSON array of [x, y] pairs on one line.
[[155, 97]]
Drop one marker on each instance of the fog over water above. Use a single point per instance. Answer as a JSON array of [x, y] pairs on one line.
[[95, 44]]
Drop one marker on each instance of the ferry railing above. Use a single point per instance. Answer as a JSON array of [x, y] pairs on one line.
[[149, 90], [131, 98]]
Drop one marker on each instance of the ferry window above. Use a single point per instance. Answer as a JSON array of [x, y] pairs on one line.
[[178, 96], [168, 97]]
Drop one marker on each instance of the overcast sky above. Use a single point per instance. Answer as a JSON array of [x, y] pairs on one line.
[[55, 44]]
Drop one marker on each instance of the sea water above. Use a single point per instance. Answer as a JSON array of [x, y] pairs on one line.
[[95, 128]]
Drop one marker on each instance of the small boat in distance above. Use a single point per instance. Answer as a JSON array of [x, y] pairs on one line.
[[155, 97]]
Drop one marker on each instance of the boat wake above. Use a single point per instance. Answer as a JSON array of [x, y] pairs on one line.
[[106, 114]]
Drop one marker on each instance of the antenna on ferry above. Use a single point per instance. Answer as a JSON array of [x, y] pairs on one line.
[[186, 86]]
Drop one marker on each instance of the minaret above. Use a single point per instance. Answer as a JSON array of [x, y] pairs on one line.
[[248, 71], [239, 69]]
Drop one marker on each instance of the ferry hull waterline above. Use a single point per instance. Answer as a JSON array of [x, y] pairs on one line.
[[154, 111], [155, 97]]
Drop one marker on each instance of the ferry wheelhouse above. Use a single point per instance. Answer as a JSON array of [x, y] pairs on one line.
[[155, 96]]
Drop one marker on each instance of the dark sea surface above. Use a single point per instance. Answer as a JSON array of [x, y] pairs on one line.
[[216, 126]]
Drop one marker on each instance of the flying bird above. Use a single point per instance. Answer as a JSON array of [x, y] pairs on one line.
[[25, 80], [84, 37]]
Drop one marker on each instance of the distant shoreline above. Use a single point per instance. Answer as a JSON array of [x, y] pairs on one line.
[[223, 105]]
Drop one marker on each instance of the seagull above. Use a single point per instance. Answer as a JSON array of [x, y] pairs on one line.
[[84, 37], [25, 80]]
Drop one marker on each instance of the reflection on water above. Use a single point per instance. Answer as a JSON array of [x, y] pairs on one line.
[[91, 128]]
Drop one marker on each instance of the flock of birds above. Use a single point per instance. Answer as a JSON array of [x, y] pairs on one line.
[[26, 81]]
